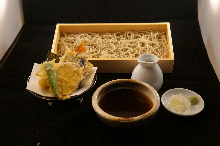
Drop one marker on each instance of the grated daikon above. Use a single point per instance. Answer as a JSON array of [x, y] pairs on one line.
[[179, 104]]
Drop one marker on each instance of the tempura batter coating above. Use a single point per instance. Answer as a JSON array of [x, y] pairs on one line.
[[69, 75]]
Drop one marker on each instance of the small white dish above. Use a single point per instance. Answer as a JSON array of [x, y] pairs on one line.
[[186, 93]]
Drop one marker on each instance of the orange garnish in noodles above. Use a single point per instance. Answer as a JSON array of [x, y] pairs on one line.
[[81, 48]]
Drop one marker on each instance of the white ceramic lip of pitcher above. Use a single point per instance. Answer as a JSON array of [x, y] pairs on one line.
[[148, 58]]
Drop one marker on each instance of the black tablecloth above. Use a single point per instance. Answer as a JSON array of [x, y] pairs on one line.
[[28, 120]]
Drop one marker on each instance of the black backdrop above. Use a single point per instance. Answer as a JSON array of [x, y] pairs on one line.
[[97, 11], [27, 120]]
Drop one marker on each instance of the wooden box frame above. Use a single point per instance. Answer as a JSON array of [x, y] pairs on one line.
[[118, 65]]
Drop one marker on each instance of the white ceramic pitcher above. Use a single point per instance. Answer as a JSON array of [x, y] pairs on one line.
[[148, 71]]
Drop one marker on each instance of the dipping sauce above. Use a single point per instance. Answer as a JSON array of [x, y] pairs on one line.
[[125, 103]]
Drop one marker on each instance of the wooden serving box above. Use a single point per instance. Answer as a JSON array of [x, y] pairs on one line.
[[117, 65]]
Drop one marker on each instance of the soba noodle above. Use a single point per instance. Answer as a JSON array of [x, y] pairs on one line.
[[130, 44]]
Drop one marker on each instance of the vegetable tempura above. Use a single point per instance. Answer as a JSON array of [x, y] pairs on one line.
[[64, 76]]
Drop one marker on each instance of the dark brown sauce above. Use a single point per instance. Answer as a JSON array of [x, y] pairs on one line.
[[125, 103]]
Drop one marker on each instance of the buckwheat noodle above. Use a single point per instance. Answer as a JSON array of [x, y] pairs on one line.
[[130, 44]]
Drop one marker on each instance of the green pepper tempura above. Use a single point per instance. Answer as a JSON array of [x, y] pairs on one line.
[[51, 73]]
